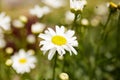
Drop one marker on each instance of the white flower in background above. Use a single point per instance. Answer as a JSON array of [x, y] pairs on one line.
[[23, 62], [39, 11], [9, 50], [84, 22], [101, 9], [31, 39], [59, 40], [8, 62], [31, 51], [95, 21], [2, 43], [23, 19], [77, 5], [69, 17], [54, 3], [37, 27], [18, 24], [4, 21], [64, 76]]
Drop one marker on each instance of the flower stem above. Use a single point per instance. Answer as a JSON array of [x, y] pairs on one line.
[[105, 26], [63, 67], [54, 66], [118, 36], [75, 19], [103, 37], [75, 25]]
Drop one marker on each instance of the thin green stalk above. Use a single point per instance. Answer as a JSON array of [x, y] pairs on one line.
[[54, 66], [76, 24], [75, 19], [63, 67], [118, 36], [103, 37], [103, 34], [105, 26]]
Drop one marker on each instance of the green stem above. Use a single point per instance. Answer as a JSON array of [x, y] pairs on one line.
[[75, 19], [118, 36], [103, 37], [103, 34], [105, 26], [63, 67], [75, 25], [54, 66]]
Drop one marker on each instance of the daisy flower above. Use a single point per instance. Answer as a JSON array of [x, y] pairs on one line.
[[39, 11], [77, 5], [58, 40], [23, 61], [4, 21]]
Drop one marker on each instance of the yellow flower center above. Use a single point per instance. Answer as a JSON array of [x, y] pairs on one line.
[[59, 40], [22, 60]]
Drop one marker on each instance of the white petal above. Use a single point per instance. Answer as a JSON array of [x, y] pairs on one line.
[[68, 49], [60, 30], [44, 36], [70, 33], [72, 49], [52, 32], [51, 53]]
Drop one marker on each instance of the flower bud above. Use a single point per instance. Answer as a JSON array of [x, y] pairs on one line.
[[64, 76], [8, 62], [113, 7]]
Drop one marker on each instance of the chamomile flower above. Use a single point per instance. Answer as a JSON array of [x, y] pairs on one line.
[[4, 21], [77, 5], [22, 62], [58, 40], [39, 11]]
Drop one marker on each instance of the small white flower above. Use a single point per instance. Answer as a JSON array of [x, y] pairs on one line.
[[2, 43], [37, 27], [64, 76], [9, 50], [23, 19], [84, 22], [77, 4], [23, 62], [54, 3], [8, 62], [59, 40], [4, 21], [39, 11], [31, 39], [95, 21], [18, 24]]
